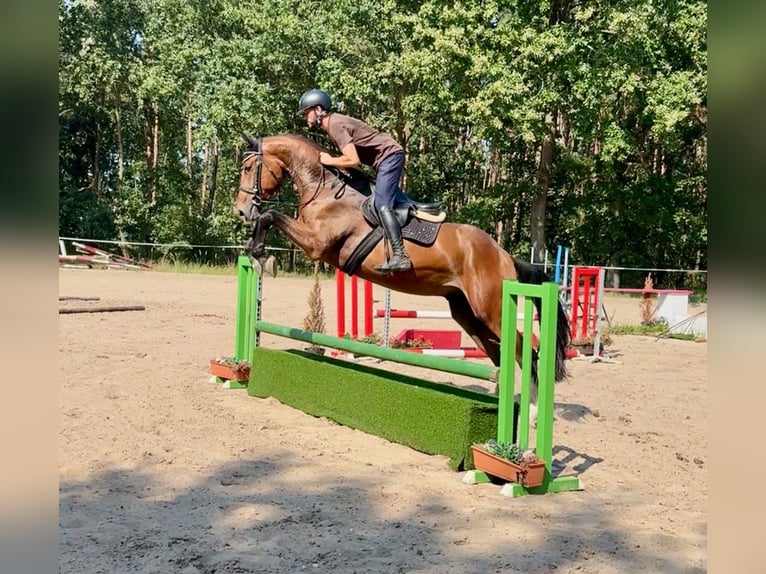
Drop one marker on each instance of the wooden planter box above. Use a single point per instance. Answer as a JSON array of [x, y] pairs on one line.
[[527, 475], [229, 371]]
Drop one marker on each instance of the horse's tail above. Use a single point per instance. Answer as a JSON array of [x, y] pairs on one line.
[[528, 273]]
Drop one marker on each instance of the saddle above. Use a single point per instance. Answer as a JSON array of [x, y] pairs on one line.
[[404, 207], [420, 223]]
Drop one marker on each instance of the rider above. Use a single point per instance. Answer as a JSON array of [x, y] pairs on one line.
[[360, 143]]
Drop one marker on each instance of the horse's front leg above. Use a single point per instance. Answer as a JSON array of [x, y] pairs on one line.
[[255, 248], [306, 237], [256, 245]]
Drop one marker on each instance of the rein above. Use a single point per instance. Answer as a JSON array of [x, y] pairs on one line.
[[320, 183], [256, 193]]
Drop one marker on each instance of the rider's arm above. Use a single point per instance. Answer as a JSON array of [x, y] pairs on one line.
[[348, 159]]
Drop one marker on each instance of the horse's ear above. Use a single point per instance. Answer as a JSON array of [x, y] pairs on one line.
[[247, 139]]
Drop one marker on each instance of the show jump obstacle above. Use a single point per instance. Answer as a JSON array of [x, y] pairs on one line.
[[427, 416], [443, 342]]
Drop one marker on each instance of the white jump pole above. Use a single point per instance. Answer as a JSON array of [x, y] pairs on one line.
[[599, 307], [565, 280], [387, 318]]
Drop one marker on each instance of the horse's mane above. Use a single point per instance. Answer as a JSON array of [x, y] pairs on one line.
[[356, 178]]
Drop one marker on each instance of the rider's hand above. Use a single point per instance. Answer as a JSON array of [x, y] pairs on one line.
[[325, 158]]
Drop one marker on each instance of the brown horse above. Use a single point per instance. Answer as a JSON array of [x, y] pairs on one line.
[[464, 265]]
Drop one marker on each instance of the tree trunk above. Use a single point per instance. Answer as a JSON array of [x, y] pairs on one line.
[[203, 184], [96, 181], [613, 277], [189, 156], [152, 150], [120, 170], [402, 134], [540, 199], [152, 140], [123, 243], [155, 149], [515, 230], [213, 178], [120, 148]]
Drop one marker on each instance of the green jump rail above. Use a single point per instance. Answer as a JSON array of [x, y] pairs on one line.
[[477, 371]]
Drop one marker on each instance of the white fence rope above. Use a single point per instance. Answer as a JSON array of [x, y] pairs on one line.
[[179, 244], [189, 245]]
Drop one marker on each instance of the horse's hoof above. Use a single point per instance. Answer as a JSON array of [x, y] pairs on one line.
[[270, 266], [256, 263]]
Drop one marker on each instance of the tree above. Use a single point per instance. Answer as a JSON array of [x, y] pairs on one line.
[[565, 122]]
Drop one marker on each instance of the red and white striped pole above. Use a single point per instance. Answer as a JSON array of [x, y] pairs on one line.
[[340, 293]]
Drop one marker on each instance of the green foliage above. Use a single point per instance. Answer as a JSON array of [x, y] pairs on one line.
[[510, 451], [650, 329], [195, 268], [153, 97]]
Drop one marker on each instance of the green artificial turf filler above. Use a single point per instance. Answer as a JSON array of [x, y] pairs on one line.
[[430, 417]]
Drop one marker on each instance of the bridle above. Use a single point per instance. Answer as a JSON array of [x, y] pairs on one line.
[[257, 200], [255, 191]]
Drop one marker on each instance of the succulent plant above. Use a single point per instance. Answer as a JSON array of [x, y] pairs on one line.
[[510, 451]]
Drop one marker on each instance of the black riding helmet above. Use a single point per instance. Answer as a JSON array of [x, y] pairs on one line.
[[312, 98]]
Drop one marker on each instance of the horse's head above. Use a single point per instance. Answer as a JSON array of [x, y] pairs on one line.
[[256, 184]]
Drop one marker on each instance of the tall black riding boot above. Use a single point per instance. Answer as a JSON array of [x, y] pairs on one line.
[[399, 261]]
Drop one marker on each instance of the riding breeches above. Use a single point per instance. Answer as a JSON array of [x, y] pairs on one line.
[[387, 180]]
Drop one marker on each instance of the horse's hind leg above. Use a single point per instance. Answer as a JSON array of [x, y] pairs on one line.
[[486, 339], [533, 377], [485, 325], [482, 335]]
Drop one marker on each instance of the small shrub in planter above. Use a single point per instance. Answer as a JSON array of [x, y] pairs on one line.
[[509, 462], [230, 369]]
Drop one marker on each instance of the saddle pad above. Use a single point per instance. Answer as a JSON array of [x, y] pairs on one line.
[[421, 232]]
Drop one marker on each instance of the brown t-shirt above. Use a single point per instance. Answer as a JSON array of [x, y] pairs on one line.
[[371, 145]]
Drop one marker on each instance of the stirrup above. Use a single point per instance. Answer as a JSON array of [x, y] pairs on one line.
[[395, 264]]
